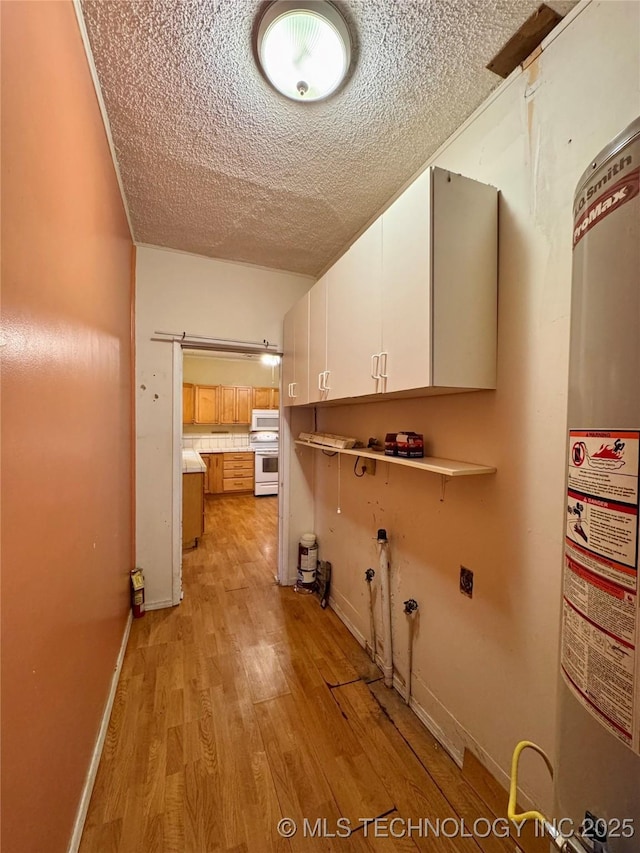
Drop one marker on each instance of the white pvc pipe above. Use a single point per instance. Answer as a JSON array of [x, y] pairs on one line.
[[385, 594]]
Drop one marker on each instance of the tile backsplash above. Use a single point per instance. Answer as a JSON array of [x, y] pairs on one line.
[[215, 441]]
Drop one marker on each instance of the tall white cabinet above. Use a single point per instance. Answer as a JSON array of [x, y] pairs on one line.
[[354, 309], [295, 360], [412, 305], [407, 251], [318, 301]]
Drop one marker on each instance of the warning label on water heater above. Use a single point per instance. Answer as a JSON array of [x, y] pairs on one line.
[[600, 590]]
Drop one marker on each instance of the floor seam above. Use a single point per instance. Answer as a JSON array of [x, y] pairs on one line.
[[424, 766], [373, 819]]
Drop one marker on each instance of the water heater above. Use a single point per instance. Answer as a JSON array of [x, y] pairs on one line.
[[597, 780]]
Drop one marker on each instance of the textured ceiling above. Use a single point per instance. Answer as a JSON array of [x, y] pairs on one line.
[[215, 162]]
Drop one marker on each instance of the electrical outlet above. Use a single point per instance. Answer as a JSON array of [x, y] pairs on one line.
[[466, 582], [368, 466]]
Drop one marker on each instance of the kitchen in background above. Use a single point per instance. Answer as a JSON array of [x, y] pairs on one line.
[[230, 419]]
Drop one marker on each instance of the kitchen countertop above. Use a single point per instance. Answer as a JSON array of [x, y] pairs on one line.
[[246, 449], [192, 462]]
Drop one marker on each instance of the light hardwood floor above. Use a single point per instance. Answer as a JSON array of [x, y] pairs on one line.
[[249, 703]]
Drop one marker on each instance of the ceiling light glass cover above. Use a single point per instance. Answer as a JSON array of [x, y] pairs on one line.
[[304, 48], [270, 360]]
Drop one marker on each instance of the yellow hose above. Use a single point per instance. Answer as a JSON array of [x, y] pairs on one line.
[[513, 788]]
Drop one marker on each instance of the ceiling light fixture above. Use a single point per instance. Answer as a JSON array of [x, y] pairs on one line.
[[304, 48], [270, 360]]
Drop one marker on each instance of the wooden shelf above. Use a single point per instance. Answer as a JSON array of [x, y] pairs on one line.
[[444, 467]]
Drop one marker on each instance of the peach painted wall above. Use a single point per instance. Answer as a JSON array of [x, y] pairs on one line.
[[66, 423]]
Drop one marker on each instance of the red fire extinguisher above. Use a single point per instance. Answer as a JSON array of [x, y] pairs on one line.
[[137, 593]]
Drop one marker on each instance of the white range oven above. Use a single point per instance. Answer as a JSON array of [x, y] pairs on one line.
[[265, 445]]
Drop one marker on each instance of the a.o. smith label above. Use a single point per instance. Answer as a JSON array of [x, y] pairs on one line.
[[600, 181], [611, 199]]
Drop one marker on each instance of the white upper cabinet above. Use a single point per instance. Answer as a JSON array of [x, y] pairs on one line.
[[354, 331], [406, 289], [412, 305], [295, 360], [464, 282], [289, 354], [439, 285], [318, 296]]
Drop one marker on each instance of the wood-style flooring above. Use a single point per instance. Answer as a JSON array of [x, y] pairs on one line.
[[247, 704]]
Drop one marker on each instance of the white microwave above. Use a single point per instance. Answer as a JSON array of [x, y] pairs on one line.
[[265, 419]]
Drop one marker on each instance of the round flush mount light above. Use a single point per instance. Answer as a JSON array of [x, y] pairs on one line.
[[304, 48]]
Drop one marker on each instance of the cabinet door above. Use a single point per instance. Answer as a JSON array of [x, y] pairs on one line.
[[227, 404], [406, 288], [243, 405], [318, 338], [188, 403], [216, 475], [262, 398], [288, 356], [275, 398], [207, 411], [354, 322], [205, 459], [301, 353], [192, 508], [465, 277]]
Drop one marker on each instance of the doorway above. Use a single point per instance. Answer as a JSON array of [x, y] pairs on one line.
[[226, 431]]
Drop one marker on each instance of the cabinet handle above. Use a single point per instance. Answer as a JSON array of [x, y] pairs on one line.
[[375, 366], [326, 387], [383, 361], [320, 381], [290, 387], [293, 393]]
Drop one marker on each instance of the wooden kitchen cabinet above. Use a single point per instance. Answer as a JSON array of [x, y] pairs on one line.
[[207, 404], [238, 470], [188, 403], [228, 472], [266, 398], [243, 404], [235, 404], [213, 476], [295, 360], [192, 508]]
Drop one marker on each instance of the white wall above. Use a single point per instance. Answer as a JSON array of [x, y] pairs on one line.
[[486, 668], [177, 292]]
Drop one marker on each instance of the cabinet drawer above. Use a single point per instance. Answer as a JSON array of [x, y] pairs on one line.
[[246, 456], [238, 484], [243, 465]]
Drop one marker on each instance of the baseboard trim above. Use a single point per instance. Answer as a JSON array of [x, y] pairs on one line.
[[342, 616], [463, 740], [399, 685], [158, 605], [430, 724], [87, 790]]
